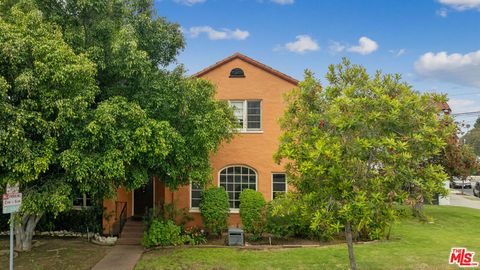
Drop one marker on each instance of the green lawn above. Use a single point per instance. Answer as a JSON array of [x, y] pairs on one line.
[[415, 245], [56, 253]]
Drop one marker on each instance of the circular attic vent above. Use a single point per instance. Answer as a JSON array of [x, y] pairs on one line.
[[237, 73]]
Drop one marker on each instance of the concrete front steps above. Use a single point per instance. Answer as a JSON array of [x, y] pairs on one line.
[[132, 233]]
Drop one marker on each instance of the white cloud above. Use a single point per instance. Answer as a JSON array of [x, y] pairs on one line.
[[398, 53], [461, 5], [336, 47], [442, 12], [302, 44], [365, 46], [463, 105], [462, 69], [213, 34], [189, 2], [283, 2]]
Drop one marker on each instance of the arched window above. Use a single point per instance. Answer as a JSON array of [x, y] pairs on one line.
[[235, 179], [237, 73]]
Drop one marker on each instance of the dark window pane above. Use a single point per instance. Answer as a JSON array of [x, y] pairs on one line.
[[245, 170], [253, 104], [229, 187], [230, 196], [253, 114], [238, 170], [223, 178], [278, 187], [279, 177], [252, 186], [253, 118], [237, 204], [232, 205], [253, 125], [195, 203], [230, 170], [253, 110], [252, 178], [244, 178], [238, 178], [196, 193]]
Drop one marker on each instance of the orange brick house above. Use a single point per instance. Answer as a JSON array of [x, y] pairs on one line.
[[256, 92]]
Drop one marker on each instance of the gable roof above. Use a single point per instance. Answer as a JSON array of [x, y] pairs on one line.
[[251, 61]]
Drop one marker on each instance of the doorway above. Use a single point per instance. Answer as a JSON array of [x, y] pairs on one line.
[[143, 199]]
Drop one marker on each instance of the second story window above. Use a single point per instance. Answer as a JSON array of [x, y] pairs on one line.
[[248, 114]]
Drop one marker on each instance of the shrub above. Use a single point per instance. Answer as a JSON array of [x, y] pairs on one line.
[[169, 211], [286, 217], [195, 236], [85, 220], [252, 212], [163, 233], [214, 209]]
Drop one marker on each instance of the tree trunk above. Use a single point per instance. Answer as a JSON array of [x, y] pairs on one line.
[[349, 238], [463, 184], [24, 228]]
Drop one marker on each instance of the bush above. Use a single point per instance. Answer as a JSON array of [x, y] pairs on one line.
[[195, 236], [214, 209], [85, 220], [252, 212], [163, 233], [168, 212], [286, 217]]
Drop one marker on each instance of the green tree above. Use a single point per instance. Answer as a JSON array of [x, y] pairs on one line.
[[360, 146], [87, 106], [459, 160], [472, 137]]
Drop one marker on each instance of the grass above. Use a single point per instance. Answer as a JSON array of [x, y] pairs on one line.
[[55, 253], [414, 245]]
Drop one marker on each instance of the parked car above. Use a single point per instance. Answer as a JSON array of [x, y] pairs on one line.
[[476, 189], [457, 182]]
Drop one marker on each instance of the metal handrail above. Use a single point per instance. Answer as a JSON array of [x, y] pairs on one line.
[[122, 217]]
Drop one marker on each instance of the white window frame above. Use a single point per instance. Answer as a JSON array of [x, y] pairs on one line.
[[245, 128], [193, 209], [237, 210], [286, 181]]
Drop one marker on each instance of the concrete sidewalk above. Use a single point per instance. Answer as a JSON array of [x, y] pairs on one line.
[[470, 201], [121, 257]]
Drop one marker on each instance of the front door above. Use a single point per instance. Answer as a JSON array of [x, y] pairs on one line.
[[143, 199]]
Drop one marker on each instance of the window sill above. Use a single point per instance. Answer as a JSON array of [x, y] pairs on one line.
[[249, 131], [231, 211]]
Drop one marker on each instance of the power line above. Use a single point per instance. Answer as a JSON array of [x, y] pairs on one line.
[[465, 113]]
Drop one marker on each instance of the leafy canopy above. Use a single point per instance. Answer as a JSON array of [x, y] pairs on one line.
[[360, 145], [87, 105]]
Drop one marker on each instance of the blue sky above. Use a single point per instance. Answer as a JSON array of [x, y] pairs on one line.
[[434, 44]]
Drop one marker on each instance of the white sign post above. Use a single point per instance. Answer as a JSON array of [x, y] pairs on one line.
[[11, 204]]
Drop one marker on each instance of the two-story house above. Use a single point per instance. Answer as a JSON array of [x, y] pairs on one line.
[[256, 92]]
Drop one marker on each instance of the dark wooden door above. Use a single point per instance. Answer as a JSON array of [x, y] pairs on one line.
[[143, 199]]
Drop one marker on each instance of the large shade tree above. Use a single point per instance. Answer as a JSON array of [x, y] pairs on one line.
[[472, 137], [86, 105], [360, 146]]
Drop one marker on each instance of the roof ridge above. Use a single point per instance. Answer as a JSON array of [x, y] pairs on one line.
[[250, 61]]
